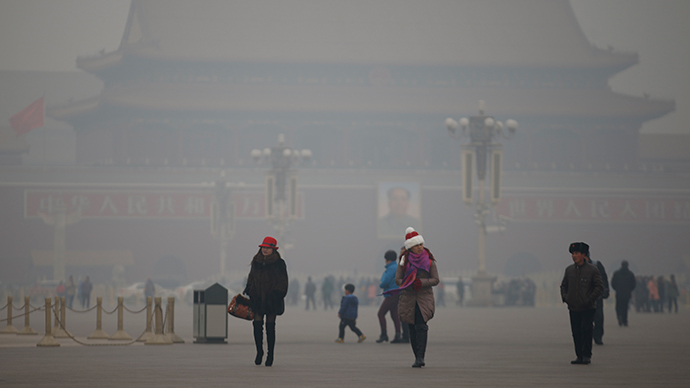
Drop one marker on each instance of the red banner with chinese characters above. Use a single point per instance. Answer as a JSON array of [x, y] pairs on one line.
[[595, 209], [142, 204]]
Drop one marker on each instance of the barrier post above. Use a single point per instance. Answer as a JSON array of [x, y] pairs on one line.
[[61, 331], [99, 333], [148, 333], [120, 334], [158, 338], [170, 328], [48, 339], [27, 330], [9, 329]]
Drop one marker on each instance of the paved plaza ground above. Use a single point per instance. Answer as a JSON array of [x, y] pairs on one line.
[[468, 347]]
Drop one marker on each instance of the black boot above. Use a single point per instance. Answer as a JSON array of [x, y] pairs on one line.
[[270, 341], [383, 337], [259, 341], [413, 340], [421, 333], [405, 333], [397, 339]]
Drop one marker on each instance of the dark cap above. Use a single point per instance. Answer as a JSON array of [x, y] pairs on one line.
[[579, 247]]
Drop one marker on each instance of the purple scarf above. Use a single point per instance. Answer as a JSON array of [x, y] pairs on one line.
[[420, 261]]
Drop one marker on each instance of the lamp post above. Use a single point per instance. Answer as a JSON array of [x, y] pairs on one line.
[[222, 217], [281, 184], [482, 150]]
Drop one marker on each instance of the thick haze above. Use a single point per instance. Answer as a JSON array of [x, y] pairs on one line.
[[49, 35]]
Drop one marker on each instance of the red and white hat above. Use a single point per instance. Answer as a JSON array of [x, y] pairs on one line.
[[412, 238]]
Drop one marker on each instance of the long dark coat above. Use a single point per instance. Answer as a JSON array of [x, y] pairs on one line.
[[424, 297], [267, 284]]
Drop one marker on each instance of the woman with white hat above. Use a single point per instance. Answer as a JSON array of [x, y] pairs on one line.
[[267, 285], [415, 276]]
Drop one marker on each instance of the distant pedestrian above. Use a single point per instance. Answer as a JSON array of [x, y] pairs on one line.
[[309, 292], [653, 293], [390, 302], [441, 294], [61, 289], [293, 292], [70, 291], [598, 332], [348, 315], [267, 286], [672, 294], [86, 288], [326, 290], [580, 288], [623, 282], [461, 291], [661, 286], [415, 275]]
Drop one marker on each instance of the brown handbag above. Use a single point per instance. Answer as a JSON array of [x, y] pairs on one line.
[[240, 307]]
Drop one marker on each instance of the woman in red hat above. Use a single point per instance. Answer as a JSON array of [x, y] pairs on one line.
[[267, 285]]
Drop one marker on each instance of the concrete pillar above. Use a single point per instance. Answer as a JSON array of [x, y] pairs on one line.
[[158, 338], [99, 333], [148, 333], [120, 334], [27, 330], [59, 330], [170, 328], [9, 329], [48, 339]]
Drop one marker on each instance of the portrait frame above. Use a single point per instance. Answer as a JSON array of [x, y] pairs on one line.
[[395, 216]]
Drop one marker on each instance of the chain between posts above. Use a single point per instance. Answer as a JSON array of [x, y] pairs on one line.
[[88, 344]]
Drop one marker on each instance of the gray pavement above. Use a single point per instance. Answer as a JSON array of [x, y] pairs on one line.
[[476, 347]]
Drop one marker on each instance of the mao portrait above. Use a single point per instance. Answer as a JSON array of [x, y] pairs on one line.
[[398, 208]]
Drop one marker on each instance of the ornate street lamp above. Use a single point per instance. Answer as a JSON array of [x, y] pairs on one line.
[[281, 184], [482, 130]]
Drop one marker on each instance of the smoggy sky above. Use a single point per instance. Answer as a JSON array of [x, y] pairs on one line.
[[49, 35]]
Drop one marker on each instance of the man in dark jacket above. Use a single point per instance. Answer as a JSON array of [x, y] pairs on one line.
[[580, 289], [623, 282], [598, 333]]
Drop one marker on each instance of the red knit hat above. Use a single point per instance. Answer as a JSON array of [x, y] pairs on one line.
[[269, 242], [412, 238]]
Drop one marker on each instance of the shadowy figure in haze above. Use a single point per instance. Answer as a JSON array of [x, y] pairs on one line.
[[623, 282], [309, 292], [86, 288], [326, 290], [672, 294]]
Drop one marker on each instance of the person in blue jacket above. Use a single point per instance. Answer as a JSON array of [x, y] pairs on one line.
[[348, 314], [390, 302]]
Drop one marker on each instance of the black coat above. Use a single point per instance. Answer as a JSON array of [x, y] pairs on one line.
[[581, 286], [623, 281], [267, 284]]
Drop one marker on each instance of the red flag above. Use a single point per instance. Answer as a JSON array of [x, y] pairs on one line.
[[29, 118]]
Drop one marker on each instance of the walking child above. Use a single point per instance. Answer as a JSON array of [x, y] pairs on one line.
[[348, 314]]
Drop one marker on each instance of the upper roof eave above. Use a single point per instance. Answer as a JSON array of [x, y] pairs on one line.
[[436, 33]]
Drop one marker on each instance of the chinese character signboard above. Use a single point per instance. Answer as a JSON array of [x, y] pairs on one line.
[[121, 204], [595, 209]]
